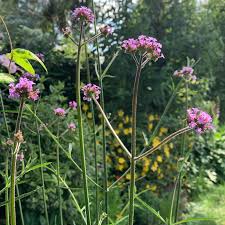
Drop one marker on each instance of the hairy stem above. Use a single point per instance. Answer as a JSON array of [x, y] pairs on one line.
[[58, 179], [42, 174], [13, 166], [6, 162], [94, 140], [80, 125], [133, 142], [183, 146]]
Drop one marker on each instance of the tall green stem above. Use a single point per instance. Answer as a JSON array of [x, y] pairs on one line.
[[58, 179], [6, 162], [80, 125], [183, 146], [42, 174], [94, 140], [105, 173], [133, 142], [20, 205], [13, 167]]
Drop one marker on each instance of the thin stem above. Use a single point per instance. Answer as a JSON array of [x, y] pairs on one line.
[[163, 142], [105, 174], [133, 142], [91, 39], [94, 140], [58, 179], [42, 173], [179, 184], [20, 205], [13, 167], [111, 128], [80, 124], [6, 162]]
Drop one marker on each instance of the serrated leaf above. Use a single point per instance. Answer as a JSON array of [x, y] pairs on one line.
[[26, 55], [6, 78]]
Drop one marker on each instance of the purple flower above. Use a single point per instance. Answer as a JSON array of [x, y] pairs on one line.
[[30, 76], [144, 44], [60, 112], [83, 14], [106, 30], [187, 73], [20, 157], [73, 105], [72, 126], [90, 90], [199, 120], [11, 66], [24, 88]]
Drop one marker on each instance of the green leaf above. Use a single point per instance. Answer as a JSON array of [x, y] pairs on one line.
[[193, 219], [37, 166], [150, 209], [6, 78], [25, 55], [24, 63]]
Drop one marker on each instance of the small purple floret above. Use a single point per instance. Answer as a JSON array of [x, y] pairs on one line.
[[199, 120], [187, 72], [60, 112], [90, 90], [73, 105]]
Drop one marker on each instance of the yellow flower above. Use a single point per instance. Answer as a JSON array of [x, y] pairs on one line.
[[128, 176], [85, 107], [163, 130], [121, 160], [120, 113], [158, 170], [167, 151], [120, 126], [120, 167], [155, 141], [150, 126], [108, 159], [155, 166], [171, 145], [117, 131], [119, 150], [127, 119], [151, 118], [146, 161], [153, 187], [145, 169], [159, 158], [126, 131], [130, 130], [89, 115]]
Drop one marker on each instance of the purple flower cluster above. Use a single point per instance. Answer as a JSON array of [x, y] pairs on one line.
[[11, 66], [72, 126], [199, 120], [60, 112], [30, 76], [73, 105], [144, 44], [90, 90], [187, 72], [83, 14], [106, 30], [24, 88]]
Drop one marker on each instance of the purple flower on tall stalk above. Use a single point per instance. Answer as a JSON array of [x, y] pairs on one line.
[[83, 14], [6, 62], [106, 30], [72, 126], [187, 73], [146, 45], [90, 90], [73, 105], [199, 120], [24, 88], [60, 112]]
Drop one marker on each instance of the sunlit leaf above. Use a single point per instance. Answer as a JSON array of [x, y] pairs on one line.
[[6, 78]]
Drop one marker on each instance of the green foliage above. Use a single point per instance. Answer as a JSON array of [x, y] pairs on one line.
[[6, 78]]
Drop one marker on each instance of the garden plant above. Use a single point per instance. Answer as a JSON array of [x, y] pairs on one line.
[[22, 87]]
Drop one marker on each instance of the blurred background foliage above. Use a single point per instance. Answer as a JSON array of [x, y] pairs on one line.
[[186, 28]]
